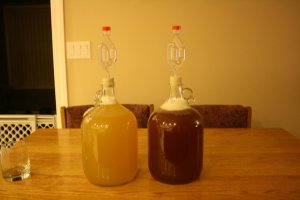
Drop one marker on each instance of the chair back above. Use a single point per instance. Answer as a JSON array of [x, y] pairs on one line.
[[71, 116], [225, 116]]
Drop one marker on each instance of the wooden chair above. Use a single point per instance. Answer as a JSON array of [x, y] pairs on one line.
[[225, 116], [71, 117]]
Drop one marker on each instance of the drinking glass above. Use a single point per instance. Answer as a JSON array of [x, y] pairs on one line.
[[15, 162]]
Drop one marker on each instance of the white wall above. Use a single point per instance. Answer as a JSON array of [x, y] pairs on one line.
[[238, 52]]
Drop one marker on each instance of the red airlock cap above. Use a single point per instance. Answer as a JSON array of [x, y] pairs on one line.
[[106, 28], [176, 27]]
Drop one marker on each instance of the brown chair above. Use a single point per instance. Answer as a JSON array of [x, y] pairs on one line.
[[225, 116], [71, 117]]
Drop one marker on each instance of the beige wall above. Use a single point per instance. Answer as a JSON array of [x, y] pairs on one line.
[[238, 52]]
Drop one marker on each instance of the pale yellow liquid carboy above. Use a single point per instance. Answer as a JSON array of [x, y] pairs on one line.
[[109, 144]]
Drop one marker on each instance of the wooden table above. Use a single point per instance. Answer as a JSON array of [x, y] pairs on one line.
[[238, 164]]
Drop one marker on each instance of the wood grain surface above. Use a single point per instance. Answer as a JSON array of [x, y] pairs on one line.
[[238, 164]]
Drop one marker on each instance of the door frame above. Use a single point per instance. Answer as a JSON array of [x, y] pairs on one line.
[[59, 58]]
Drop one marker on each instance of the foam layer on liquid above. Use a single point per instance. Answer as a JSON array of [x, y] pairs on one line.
[[178, 104]]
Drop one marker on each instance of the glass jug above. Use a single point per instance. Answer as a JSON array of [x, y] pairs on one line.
[[175, 140], [109, 141], [109, 130], [175, 130]]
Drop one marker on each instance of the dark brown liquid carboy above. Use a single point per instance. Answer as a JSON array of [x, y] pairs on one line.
[[175, 145]]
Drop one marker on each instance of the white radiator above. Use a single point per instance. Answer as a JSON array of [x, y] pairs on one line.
[[16, 127]]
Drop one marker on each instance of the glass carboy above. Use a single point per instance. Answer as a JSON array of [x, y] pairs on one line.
[[175, 130], [109, 131]]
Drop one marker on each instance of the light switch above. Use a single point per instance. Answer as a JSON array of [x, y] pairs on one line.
[[78, 50], [85, 50]]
